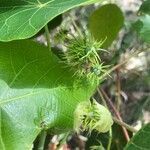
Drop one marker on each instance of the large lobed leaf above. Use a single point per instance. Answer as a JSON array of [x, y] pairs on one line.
[[20, 19], [36, 92]]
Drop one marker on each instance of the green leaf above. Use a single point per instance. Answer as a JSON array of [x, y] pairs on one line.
[[36, 92], [54, 23], [105, 23], [141, 140], [142, 26], [22, 19], [145, 7]]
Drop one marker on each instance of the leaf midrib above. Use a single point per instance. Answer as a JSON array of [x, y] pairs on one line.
[[4, 101]]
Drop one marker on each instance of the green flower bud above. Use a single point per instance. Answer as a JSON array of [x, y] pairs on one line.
[[92, 116]]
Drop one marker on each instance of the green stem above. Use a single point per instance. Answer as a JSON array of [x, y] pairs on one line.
[[110, 139], [47, 35], [42, 140]]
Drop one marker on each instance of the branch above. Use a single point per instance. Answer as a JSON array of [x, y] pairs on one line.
[[116, 113], [121, 123], [118, 89]]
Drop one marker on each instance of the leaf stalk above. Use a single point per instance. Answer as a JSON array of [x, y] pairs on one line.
[[42, 140], [47, 35]]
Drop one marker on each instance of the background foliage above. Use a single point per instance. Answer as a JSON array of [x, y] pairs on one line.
[[38, 92]]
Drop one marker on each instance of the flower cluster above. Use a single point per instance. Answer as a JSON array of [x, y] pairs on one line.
[[92, 116], [82, 56]]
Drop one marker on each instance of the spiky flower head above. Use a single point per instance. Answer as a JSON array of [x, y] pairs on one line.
[[82, 56], [92, 116]]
